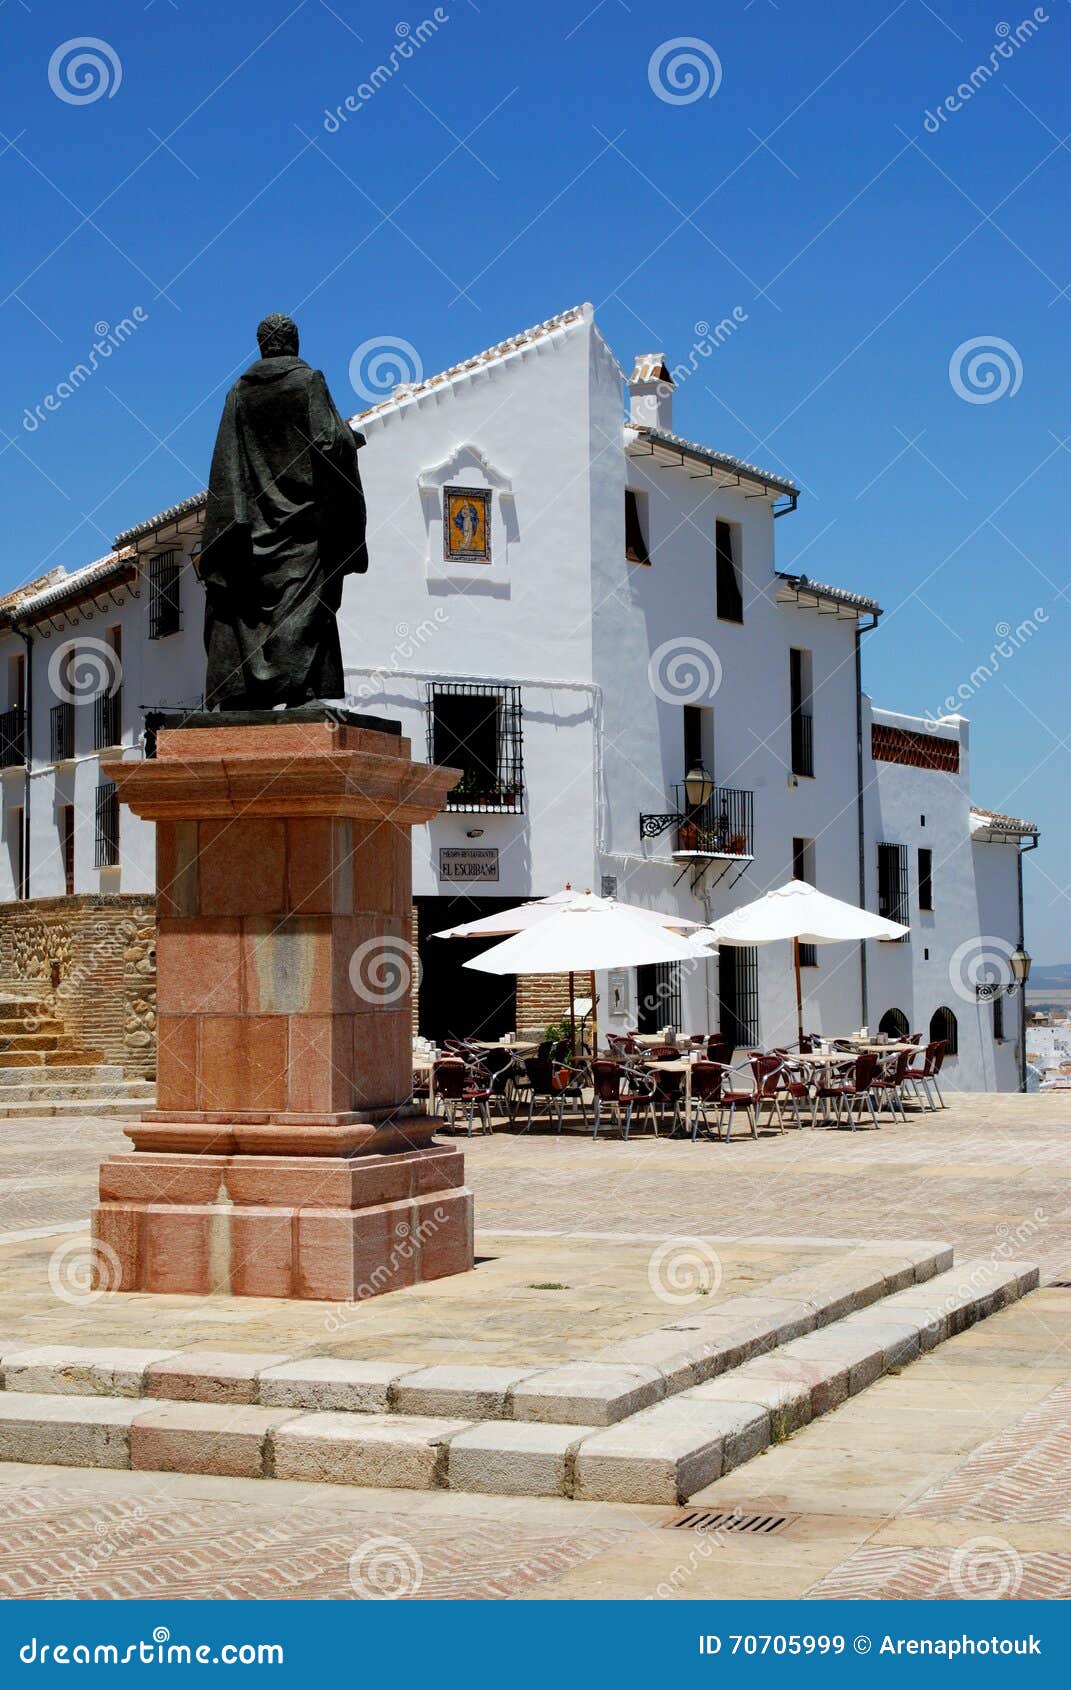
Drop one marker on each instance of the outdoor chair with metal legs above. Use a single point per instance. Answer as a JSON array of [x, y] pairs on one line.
[[769, 1078], [857, 1090], [707, 1081], [719, 1050], [920, 1078], [456, 1086], [608, 1080], [888, 1082], [501, 1079], [548, 1089], [734, 1098]]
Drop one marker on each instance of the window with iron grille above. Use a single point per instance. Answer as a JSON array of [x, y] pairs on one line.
[[61, 718], [658, 996], [738, 994], [998, 1017], [106, 844], [894, 1023], [165, 604], [107, 719], [477, 728], [943, 1025], [801, 714], [892, 883]]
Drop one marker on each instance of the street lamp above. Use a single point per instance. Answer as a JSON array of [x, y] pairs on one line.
[[698, 786], [1019, 962]]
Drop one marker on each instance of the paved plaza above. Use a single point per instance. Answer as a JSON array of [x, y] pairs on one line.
[[950, 1478]]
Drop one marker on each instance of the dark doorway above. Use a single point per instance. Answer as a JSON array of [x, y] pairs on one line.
[[456, 1002], [738, 993], [658, 996]]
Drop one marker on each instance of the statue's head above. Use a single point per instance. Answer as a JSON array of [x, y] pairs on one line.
[[277, 336]]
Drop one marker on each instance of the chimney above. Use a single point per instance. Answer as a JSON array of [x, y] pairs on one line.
[[650, 389]]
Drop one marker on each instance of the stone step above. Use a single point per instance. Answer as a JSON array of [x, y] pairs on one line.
[[612, 1385], [58, 1089], [121, 1108], [63, 1058], [85, 1073], [147, 1409], [18, 1024]]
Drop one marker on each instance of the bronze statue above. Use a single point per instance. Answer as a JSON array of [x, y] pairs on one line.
[[285, 525]]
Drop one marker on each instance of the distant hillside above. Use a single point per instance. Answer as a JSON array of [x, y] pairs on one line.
[[1053, 974]]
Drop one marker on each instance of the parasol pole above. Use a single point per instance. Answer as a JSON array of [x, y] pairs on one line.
[[799, 990], [572, 1016]]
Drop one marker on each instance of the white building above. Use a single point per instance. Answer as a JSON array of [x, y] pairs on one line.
[[578, 608]]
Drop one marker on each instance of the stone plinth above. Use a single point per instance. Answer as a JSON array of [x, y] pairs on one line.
[[283, 1157]]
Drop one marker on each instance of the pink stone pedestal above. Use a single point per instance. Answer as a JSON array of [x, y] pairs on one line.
[[283, 1157]]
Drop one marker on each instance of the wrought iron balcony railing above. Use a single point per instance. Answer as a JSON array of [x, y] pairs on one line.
[[723, 827]]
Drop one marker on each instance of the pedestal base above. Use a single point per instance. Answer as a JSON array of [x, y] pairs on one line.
[[325, 1227]]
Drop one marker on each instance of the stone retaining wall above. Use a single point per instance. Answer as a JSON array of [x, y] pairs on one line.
[[92, 959]]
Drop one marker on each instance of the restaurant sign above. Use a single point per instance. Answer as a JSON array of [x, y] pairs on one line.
[[462, 862]]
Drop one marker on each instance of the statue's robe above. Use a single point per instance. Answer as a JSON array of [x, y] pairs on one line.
[[285, 525]]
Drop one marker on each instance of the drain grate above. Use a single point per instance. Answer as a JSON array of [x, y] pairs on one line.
[[733, 1520], [1057, 1285]]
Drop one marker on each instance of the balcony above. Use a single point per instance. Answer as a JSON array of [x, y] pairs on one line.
[[802, 742], [61, 738], [721, 829], [13, 738], [108, 720]]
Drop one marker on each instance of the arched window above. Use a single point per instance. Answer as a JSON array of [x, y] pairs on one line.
[[943, 1025], [894, 1022]]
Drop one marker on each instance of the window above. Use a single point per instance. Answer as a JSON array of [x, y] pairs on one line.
[[61, 718], [892, 883], [698, 732], [943, 1025], [998, 1017], [12, 738], [658, 996], [730, 595], [738, 994], [477, 729], [106, 846], [803, 869], [165, 604], [67, 839], [636, 527], [925, 879], [801, 719], [894, 1023], [108, 704]]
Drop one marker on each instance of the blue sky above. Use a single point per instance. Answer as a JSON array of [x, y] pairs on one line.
[[521, 161]]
